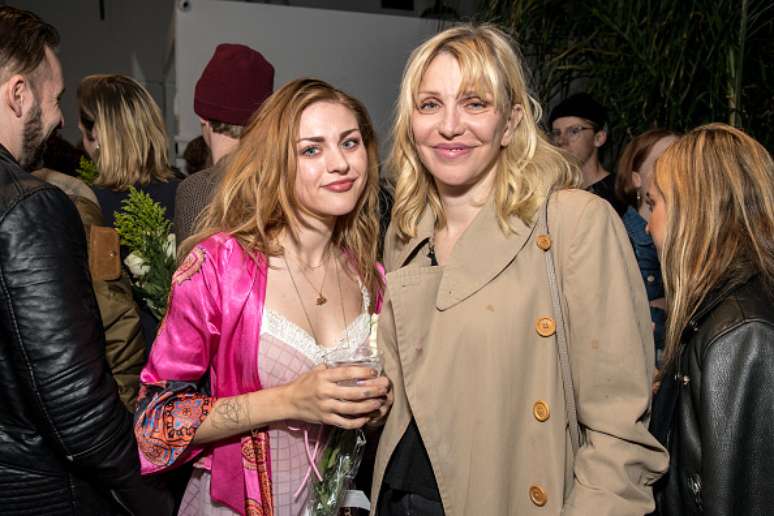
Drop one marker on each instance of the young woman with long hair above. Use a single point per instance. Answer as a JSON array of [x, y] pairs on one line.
[[282, 270], [632, 180], [480, 423], [712, 219]]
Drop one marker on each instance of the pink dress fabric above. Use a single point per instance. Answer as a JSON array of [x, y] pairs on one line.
[[212, 330], [286, 352]]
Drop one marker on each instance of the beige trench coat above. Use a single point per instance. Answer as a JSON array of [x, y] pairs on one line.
[[462, 349]]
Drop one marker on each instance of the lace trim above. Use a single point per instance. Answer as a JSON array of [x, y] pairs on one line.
[[279, 327], [366, 296]]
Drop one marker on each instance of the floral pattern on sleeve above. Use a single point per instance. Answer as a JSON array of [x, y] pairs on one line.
[[167, 417], [190, 266]]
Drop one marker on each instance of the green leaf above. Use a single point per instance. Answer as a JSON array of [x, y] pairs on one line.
[[87, 170], [143, 229], [667, 63]]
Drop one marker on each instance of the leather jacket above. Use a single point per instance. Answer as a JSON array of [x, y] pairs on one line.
[[715, 408], [124, 342], [66, 441]]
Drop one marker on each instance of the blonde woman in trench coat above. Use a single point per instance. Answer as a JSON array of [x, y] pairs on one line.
[[479, 426]]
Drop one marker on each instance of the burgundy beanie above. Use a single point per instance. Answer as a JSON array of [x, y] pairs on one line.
[[233, 85]]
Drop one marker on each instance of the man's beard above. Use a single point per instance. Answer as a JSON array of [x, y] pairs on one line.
[[34, 143]]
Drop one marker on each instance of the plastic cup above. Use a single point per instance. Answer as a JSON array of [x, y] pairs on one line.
[[361, 357]]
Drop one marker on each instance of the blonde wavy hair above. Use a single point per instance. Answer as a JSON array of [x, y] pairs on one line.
[[527, 168], [126, 121], [256, 199], [718, 188]]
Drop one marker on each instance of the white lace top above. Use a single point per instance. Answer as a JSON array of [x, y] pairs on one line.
[[277, 326]]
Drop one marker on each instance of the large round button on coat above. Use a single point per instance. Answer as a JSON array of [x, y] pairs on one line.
[[543, 242], [541, 411], [538, 496], [545, 326]]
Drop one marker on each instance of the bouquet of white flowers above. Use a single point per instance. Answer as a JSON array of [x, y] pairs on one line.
[[344, 451], [146, 232]]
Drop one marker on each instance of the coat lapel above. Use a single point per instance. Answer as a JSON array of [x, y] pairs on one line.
[[480, 254], [412, 291]]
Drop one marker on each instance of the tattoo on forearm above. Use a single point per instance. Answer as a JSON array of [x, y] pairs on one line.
[[229, 414]]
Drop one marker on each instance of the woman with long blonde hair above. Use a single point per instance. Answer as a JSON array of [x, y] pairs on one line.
[[123, 133], [712, 219], [490, 406], [282, 270]]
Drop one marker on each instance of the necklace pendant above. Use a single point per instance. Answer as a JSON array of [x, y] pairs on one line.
[[321, 300]]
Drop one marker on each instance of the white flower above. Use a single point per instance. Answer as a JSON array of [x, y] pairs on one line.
[[136, 265], [171, 246], [372, 335]]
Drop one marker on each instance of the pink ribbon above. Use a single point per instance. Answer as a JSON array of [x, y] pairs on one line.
[[311, 457]]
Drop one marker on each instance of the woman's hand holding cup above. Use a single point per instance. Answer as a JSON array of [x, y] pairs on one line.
[[343, 396]]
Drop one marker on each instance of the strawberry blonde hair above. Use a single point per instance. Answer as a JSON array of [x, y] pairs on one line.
[[256, 199]]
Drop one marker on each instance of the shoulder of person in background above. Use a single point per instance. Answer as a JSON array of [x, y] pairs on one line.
[[72, 186], [605, 188], [193, 195]]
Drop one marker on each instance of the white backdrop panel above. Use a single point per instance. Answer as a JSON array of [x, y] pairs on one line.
[[360, 53]]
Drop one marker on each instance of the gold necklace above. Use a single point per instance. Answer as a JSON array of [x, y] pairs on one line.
[[341, 300], [303, 307], [321, 299], [298, 294]]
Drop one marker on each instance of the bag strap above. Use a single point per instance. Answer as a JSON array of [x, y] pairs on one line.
[[561, 334]]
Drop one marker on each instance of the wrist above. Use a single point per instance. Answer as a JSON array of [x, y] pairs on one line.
[[286, 403]]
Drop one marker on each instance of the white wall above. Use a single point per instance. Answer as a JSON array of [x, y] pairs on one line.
[[361, 53], [166, 48]]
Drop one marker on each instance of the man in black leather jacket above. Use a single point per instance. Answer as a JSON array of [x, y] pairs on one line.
[[66, 441]]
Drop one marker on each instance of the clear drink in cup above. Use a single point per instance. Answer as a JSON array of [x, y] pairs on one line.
[[362, 356]]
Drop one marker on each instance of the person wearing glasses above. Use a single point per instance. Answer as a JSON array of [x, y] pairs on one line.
[[578, 127]]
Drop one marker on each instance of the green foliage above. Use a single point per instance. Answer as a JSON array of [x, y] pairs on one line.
[[338, 466], [145, 231], [87, 170], [666, 63]]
